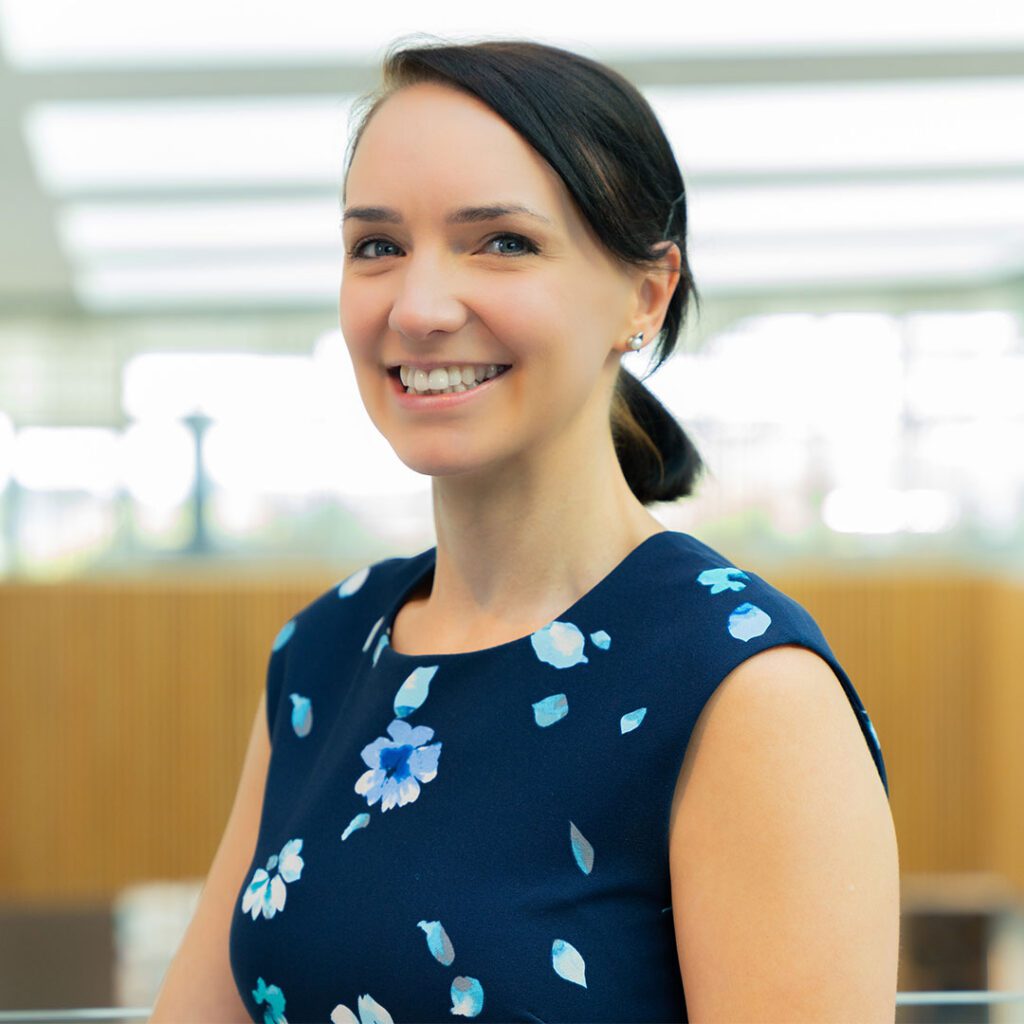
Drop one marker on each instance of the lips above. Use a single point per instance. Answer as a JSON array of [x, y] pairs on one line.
[[429, 400]]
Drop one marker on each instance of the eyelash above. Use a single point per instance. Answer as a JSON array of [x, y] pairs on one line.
[[531, 247]]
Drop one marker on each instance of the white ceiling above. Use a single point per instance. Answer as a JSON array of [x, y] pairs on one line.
[[188, 157]]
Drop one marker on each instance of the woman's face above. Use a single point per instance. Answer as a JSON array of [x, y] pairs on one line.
[[419, 288]]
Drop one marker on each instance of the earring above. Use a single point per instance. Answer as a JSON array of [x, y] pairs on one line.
[[636, 341]]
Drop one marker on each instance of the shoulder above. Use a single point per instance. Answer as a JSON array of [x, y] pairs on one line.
[[705, 582], [782, 851], [784, 704], [712, 615]]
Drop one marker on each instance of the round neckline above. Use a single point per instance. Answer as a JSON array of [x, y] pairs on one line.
[[387, 652]]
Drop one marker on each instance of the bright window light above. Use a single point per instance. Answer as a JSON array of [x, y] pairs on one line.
[[68, 458], [843, 127], [796, 370], [90, 230], [724, 266], [145, 143], [976, 387], [57, 538], [280, 282], [6, 449], [822, 209], [972, 332], [360, 462], [53, 32], [164, 385], [132, 144], [260, 457], [883, 510], [159, 463]]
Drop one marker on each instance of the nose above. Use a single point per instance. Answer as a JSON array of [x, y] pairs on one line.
[[426, 301]]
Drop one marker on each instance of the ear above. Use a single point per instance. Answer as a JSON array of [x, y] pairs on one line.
[[655, 287]]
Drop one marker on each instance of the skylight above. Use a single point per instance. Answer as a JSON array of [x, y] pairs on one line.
[[51, 33]]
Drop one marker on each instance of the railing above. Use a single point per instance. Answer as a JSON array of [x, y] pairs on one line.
[[114, 1013]]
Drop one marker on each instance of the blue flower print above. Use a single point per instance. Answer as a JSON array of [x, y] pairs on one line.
[[438, 943], [559, 644], [274, 998], [631, 720], [413, 692], [467, 997], [747, 621], [721, 578], [370, 1012], [302, 714], [359, 821], [550, 710], [265, 894], [398, 766]]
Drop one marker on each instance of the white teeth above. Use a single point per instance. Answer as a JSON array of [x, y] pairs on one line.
[[440, 379]]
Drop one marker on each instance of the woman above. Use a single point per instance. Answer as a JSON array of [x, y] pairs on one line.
[[567, 765]]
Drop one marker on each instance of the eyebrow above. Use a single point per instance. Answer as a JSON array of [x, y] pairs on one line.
[[463, 215]]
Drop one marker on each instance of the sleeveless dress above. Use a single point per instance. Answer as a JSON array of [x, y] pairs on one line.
[[485, 834]]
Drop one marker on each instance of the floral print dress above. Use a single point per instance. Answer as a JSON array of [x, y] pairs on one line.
[[485, 834]]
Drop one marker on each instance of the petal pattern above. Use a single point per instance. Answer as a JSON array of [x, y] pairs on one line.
[[413, 692], [467, 997], [438, 943], [302, 714], [284, 635], [567, 962], [359, 821], [551, 709], [559, 644], [629, 721], [581, 849], [722, 578], [748, 621], [351, 584]]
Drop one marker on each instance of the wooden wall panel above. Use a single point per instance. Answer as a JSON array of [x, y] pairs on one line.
[[1001, 726], [127, 705]]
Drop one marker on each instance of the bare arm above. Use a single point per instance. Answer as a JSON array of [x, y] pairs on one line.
[[199, 986], [783, 856]]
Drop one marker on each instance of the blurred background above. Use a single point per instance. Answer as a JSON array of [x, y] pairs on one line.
[[185, 460]]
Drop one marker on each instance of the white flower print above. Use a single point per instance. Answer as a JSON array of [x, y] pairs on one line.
[[265, 894]]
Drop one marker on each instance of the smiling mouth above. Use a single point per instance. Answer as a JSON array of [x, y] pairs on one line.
[[395, 374]]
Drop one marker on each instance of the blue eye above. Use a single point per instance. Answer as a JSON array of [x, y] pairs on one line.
[[354, 251], [527, 246]]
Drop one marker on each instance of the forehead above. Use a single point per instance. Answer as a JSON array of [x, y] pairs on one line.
[[441, 144]]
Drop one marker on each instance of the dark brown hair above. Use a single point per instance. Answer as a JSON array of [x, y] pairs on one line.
[[600, 135]]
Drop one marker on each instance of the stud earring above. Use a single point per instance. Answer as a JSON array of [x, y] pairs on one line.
[[636, 341]]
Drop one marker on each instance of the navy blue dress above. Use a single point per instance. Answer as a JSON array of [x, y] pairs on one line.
[[485, 834]]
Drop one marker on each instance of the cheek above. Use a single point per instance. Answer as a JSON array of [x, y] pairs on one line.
[[354, 317], [528, 321]]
